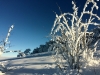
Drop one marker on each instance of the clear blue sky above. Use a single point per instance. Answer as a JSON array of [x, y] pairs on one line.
[[32, 19]]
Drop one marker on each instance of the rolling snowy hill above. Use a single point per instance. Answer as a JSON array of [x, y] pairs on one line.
[[41, 64], [38, 64]]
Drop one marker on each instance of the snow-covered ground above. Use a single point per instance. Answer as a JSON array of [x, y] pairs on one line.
[[35, 65], [38, 64]]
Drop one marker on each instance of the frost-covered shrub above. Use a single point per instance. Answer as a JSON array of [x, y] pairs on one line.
[[3, 48], [74, 46], [4, 43]]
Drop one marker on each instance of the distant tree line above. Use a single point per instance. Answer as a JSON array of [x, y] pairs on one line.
[[40, 49], [46, 46]]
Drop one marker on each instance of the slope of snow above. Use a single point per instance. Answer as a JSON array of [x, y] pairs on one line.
[[39, 64]]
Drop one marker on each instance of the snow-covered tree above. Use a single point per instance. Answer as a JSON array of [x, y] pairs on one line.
[[74, 46], [27, 51], [21, 54]]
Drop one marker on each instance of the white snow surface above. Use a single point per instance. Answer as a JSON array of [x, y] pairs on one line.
[[34, 65], [40, 64]]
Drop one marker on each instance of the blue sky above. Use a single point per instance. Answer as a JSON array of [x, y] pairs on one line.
[[32, 19]]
